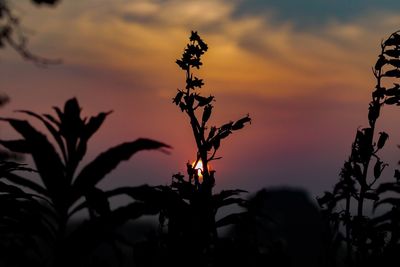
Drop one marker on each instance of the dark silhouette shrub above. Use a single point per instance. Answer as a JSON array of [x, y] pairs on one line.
[[67, 191], [368, 240], [188, 206]]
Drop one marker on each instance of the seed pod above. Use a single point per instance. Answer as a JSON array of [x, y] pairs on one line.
[[392, 73], [240, 123], [373, 113], [203, 100], [224, 134], [207, 113], [382, 139], [393, 53], [395, 63], [378, 169], [178, 98], [182, 106], [393, 40], [212, 132], [380, 62], [392, 100], [226, 126], [216, 143]]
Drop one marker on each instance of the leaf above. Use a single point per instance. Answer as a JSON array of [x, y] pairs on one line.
[[88, 130], [7, 167], [95, 171], [395, 63], [234, 218], [244, 120], [216, 142], [381, 218], [378, 168], [11, 189], [224, 198], [94, 124], [393, 53], [193, 83], [382, 139], [226, 126], [224, 134], [212, 132], [229, 201], [19, 146], [393, 91], [392, 100], [50, 118], [229, 193], [16, 179], [388, 187], [394, 39], [392, 73], [97, 202], [60, 114], [390, 200], [178, 98], [47, 161], [203, 101], [380, 62], [183, 65], [206, 113], [54, 132], [182, 106], [373, 113], [372, 196]]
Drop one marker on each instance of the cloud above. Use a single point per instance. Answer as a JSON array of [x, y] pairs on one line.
[[312, 14], [251, 53], [296, 80]]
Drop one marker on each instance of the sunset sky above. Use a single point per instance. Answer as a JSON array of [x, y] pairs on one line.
[[301, 69]]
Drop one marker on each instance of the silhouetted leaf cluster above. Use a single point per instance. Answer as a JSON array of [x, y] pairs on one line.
[[368, 240], [63, 190], [191, 206]]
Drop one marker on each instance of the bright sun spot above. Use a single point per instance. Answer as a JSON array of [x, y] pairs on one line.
[[199, 168]]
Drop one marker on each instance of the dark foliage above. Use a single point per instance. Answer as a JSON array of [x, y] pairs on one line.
[[188, 206], [368, 240], [63, 189], [282, 228]]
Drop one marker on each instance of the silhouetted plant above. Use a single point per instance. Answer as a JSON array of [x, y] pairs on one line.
[[188, 207], [366, 237], [4, 154], [191, 225], [62, 186], [22, 221]]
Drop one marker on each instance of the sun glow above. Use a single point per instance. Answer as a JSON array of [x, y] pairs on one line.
[[199, 168]]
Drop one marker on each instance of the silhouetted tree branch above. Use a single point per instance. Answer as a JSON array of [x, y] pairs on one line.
[[11, 33]]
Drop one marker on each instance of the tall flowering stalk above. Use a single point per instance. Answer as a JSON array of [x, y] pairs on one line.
[[363, 236], [192, 226]]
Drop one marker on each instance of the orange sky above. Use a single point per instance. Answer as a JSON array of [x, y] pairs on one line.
[[306, 88]]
